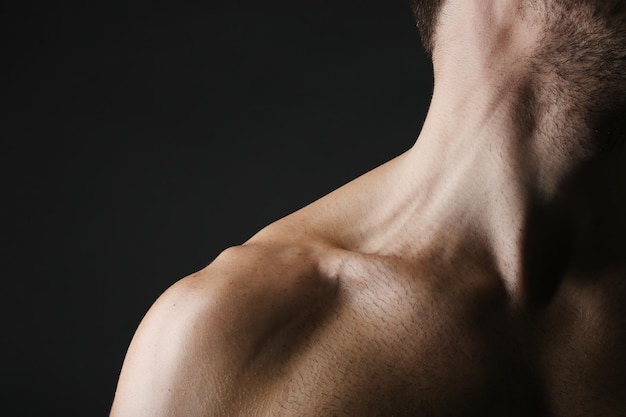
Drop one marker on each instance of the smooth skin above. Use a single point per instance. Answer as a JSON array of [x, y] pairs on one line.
[[481, 273]]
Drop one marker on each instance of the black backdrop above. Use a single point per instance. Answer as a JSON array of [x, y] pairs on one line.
[[140, 140]]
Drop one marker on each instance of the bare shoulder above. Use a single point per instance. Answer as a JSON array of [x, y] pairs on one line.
[[292, 327], [205, 346], [261, 286], [285, 328]]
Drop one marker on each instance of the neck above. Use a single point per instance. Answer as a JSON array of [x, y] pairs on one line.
[[499, 151]]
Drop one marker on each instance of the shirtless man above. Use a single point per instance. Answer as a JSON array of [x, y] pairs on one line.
[[481, 273]]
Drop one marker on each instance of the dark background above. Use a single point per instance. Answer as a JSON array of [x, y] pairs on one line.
[[138, 141]]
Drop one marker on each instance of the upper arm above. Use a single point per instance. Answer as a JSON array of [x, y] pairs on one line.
[[198, 349], [177, 350]]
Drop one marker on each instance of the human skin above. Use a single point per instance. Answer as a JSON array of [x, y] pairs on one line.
[[482, 272]]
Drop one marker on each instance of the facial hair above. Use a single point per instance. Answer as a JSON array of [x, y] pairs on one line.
[[582, 62], [426, 14]]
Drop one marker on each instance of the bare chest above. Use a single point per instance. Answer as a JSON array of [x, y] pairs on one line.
[[382, 349], [408, 350], [389, 342]]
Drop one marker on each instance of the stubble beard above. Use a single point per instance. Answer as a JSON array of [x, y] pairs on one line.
[[426, 14], [582, 62]]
